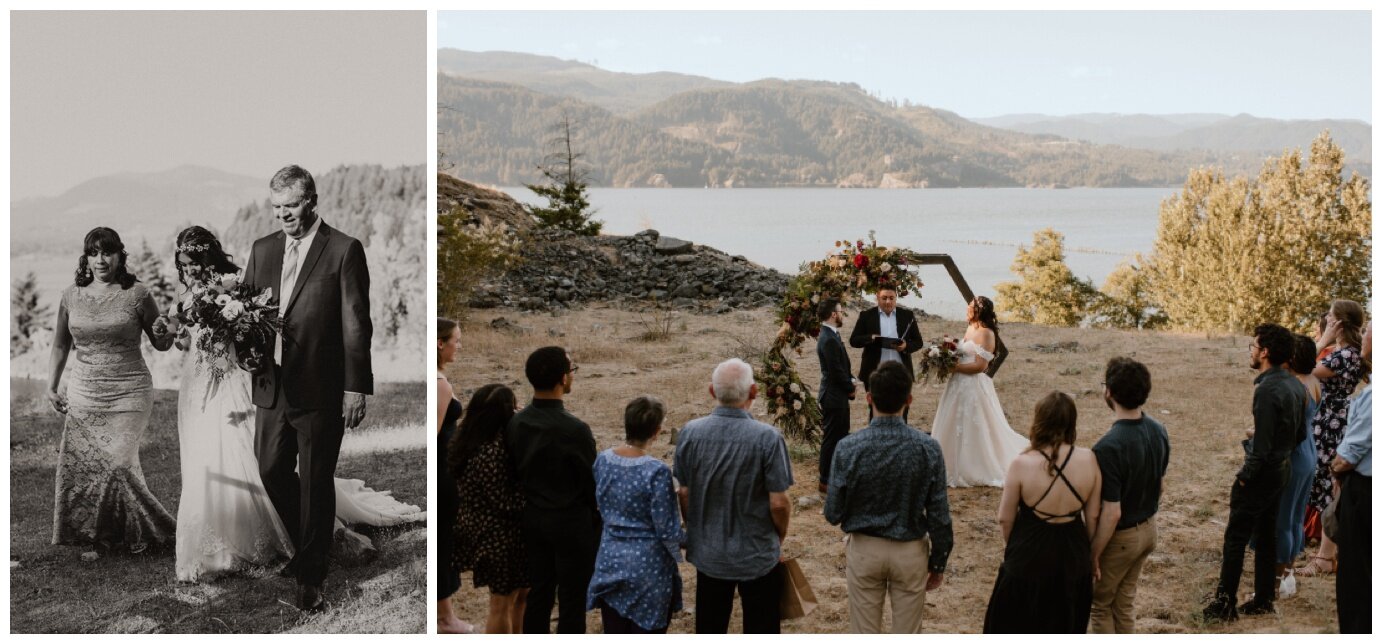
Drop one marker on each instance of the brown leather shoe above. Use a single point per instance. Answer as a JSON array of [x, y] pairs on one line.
[[312, 600]]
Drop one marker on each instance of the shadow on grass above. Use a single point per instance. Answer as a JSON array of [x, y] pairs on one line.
[[53, 590]]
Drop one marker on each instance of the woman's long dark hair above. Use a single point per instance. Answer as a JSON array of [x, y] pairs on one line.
[[1053, 425], [104, 240], [984, 313], [486, 415], [204, 249]]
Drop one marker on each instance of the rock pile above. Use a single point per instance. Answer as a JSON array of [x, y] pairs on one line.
[[562, 270]]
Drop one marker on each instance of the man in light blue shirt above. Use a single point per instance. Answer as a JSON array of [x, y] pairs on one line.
[[734, 475], [1352, 467]]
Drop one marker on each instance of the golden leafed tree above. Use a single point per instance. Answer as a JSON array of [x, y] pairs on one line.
[[1046, 291], [1233, 253]]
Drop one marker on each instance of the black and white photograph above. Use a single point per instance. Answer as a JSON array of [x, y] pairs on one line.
[[218, 318]]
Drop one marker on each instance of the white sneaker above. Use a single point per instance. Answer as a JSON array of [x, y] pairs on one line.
[[1288, 586]]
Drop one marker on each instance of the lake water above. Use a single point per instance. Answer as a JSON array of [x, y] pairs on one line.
[[980, 228]]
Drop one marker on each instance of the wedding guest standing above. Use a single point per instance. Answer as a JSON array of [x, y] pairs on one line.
[[448, 412], [1353, 467], [837, 385], [1290, 520], [734, 474], [100, 497], [1133, 455], [1048, 513], [1278, 410], [636, 585], [553, 452], [488, 531], [888, 493], [1339, 372], [886, 333]]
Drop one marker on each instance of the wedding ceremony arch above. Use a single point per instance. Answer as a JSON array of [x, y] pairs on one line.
[[852, 270]]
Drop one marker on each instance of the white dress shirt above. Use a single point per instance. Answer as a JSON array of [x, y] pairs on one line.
[[887, 327]]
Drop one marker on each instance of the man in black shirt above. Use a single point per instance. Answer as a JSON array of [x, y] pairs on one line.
[[1278, 412], [1133, 455], [553, 453]]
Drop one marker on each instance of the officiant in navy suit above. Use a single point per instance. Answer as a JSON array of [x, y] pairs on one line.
[[886, 333], [837, 385], [315, 387]]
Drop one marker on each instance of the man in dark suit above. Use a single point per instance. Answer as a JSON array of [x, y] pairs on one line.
[[316, 385], [886, 332], [837, 385]]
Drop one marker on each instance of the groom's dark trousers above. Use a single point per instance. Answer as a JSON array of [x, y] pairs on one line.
[[325, 353]]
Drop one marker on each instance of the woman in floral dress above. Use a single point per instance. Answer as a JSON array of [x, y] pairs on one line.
[[1339, 373], [100, 495]]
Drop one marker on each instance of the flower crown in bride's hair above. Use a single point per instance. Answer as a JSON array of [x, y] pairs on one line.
[[189, 248]]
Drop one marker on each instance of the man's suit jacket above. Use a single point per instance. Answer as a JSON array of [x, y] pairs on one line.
[[326, 324], [867, 327], [836, 381]]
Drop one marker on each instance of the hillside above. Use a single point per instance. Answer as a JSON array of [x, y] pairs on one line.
[[614, 91], [773, 133]]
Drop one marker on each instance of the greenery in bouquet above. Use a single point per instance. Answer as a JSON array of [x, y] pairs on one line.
[[938, 360], [238, 323], [854, 268]]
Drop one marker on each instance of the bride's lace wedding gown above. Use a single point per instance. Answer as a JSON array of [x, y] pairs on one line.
[[976, 441], [225, 519]]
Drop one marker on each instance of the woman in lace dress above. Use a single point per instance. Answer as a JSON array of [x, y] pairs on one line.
[[225, 520], [975, 438], [100, 495]]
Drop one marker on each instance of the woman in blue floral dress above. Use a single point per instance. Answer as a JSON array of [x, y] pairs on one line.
[[636, 584], [1339, 373]]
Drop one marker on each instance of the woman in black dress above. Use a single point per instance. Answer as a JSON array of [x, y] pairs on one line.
[[488, 533], [1049, 509], [448, 412]]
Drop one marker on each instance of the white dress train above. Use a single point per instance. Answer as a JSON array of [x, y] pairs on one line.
[[976, 441], [225, 519]]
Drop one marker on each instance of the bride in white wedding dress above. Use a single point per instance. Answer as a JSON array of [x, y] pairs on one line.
[[976, 441], [225, 519]]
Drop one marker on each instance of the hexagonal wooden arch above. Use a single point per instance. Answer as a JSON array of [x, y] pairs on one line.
[[1000, 351]]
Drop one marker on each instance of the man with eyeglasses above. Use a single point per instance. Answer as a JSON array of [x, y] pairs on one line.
[[837, 384], [553, 455]]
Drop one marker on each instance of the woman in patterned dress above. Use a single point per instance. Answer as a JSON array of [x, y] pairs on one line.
[[1339, 373], [636, 585], [488, 531], [101, 498]]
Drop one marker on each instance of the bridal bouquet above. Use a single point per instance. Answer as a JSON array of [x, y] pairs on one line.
[[237, 323], [939, 359]]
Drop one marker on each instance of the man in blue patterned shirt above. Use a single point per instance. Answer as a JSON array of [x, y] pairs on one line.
[[887, 491]]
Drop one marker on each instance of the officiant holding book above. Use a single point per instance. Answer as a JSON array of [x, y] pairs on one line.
[[886, 333]]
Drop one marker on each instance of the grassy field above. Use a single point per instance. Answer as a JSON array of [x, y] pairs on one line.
[[53, 590], [1202, 391]]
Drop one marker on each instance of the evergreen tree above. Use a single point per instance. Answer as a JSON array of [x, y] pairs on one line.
[[565, 190], [1234, 253], [1046, 291], [27, 315], [148, 267], [1125, 301]]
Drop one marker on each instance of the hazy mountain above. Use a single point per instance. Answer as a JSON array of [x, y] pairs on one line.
[[771, 133], [615, 91], [1221, 132]]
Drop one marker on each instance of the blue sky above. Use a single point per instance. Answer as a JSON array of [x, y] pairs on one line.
[[1290, 65]]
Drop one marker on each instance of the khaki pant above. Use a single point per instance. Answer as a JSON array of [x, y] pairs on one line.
[[1120, 565], [875, 566]]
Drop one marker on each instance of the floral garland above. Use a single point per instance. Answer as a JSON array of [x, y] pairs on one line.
[[855, 268]]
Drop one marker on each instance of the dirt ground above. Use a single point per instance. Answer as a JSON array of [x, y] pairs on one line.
[[1202, 391]]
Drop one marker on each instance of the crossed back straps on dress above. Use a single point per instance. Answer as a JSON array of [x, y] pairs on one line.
[[1060, 474]]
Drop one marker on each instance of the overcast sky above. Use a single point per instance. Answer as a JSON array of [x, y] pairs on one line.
[[97, 93], [1290, 65]]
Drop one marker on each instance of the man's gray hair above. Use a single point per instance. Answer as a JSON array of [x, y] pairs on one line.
[[732, 380], [292, 176]]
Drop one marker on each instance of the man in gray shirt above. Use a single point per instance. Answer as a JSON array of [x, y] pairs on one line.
[[734, 475]]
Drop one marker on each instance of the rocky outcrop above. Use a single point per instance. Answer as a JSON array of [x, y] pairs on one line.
[[481, 202], [563, 270]]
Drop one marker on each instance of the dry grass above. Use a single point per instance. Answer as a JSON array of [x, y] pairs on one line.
[[1202, 390]]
